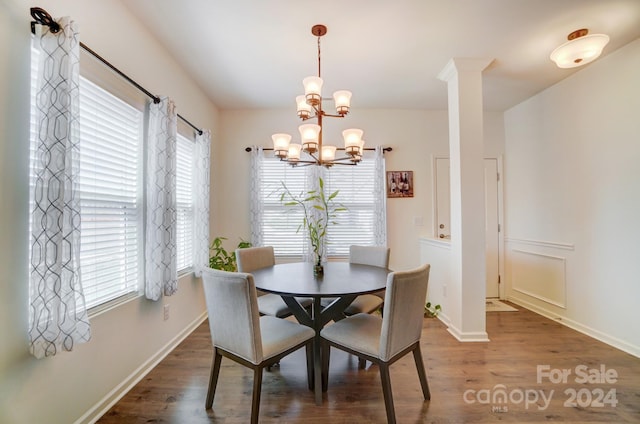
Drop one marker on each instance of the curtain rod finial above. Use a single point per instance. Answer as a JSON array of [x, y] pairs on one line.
[[43, 17]]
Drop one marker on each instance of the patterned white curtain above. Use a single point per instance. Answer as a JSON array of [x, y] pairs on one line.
[[256, 208], [379, 184], [161, 274], [57, 314], [201, 206]]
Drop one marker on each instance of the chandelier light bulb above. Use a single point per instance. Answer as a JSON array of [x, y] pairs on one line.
[[294, 152], [281, 144], [328, 152], [352, 138], [356, 151], [342, 98], [304, 108], [310, 134], [313, 89]]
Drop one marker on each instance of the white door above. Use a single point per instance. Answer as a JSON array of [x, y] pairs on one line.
[[492, 253], [443, 199], [442, 218]]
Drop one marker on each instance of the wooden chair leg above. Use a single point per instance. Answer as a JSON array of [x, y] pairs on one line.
[[213, 379], [417, 356], [386, 392], [309, 350], [255, 400], [326, 354], [362, 363]]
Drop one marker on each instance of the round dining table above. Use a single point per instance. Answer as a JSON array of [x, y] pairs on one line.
[[340, 281]]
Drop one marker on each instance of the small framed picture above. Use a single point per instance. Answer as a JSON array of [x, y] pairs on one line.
[[399, 183]]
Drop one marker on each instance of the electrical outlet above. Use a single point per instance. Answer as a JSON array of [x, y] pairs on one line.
[[444, 291], [166, 312]]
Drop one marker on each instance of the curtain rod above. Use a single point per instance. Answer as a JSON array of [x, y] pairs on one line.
[[385, 149], [42, 17]]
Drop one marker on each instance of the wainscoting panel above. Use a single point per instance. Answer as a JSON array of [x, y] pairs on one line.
[[540, 276]]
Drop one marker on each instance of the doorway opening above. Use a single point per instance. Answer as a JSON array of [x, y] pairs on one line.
[[494, 243]]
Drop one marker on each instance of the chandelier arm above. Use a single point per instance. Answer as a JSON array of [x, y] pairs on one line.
[[340, 163], [309, 117], [345, 158], [385, 149], [295, 162], [316, 158], [318, 108], [333, 116]]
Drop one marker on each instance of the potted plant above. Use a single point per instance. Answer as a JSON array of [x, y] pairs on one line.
[[431, 311], [220, 258], [319, 212]]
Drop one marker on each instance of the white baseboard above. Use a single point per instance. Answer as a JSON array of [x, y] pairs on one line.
[[476, 336], [444, 318], [101, 408], [591, 332], [459, 335]]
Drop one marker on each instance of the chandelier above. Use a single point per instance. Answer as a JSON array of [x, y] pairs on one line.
[[309, 107]]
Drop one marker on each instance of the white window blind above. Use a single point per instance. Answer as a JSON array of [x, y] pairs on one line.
[[110, 133], [184, 200], [355, 226], [281, 223], [109, 188]]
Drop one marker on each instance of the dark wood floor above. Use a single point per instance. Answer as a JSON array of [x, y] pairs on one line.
[[464, 379]]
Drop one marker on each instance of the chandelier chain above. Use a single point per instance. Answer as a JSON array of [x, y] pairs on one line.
[[319, 76]]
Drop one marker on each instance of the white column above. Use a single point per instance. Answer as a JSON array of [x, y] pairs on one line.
[[467, 287]]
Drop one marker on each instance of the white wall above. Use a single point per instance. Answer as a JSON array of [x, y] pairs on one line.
[[125, 339], [572, 189], [414, 135]]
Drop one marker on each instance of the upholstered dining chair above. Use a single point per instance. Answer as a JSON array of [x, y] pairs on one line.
[[385, 340], [251, 258], [367, 255], [239, 333]]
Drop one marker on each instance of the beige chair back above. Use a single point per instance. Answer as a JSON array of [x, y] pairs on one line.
[[403, 310], [369, 255], [233, 313], [252, 258]]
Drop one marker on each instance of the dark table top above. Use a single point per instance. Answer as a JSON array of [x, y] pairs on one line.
[[339, 279]]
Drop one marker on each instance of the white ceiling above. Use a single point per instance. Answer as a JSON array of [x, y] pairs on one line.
[[254, 53]]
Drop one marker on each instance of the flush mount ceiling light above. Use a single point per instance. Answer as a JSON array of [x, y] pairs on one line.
[[580, 49], [310, 107]]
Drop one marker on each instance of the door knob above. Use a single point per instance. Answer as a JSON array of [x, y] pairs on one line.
[[441, 225]]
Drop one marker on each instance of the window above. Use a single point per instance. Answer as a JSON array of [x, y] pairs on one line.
[[111, 186], [357, 193], [280, 223], [184, 202], [110, 211], [109, 191]]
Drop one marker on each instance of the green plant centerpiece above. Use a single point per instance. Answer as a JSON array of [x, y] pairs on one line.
[[319, 212], [221, 259]]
